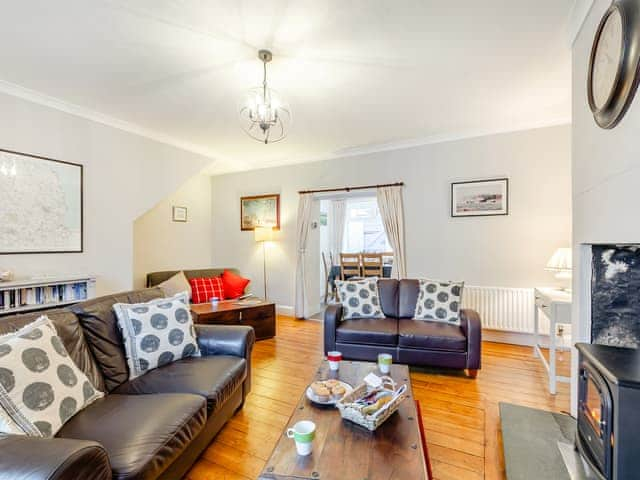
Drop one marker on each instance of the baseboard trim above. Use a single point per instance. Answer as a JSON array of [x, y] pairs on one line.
[[513, 338], [285, 310], [498, 336]]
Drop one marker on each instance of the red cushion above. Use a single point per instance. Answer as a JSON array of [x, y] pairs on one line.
[[234, 285], [204, 289]]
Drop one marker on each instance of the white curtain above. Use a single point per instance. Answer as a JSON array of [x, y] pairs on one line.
[[338, 216], [392, 213], [304, 224]]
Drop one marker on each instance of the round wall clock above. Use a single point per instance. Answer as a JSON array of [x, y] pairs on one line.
[[613, 67]]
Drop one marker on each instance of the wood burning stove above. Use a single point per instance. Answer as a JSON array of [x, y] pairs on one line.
[[608, 433], [595, 438]]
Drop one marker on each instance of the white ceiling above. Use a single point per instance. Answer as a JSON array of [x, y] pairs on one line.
[[359, 74]]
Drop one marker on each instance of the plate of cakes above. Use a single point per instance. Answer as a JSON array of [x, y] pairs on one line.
[[327, 392]]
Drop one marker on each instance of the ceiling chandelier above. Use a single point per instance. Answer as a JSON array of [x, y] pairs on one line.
[[263, 115]]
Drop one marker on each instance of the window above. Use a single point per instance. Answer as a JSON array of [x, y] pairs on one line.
[[364, 231]]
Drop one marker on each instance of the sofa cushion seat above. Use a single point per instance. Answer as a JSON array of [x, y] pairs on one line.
[[142, 434], [431, 335], [373, 331], [214, 377]]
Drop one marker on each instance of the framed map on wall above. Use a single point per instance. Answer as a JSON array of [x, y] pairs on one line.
[[41, 204]]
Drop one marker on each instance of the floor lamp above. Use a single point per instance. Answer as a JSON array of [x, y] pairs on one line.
[[264, 235]]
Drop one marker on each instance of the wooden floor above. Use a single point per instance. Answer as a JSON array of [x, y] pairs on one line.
[[460, 415]]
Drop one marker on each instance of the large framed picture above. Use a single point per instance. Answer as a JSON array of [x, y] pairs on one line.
[[40, 204], [260, 211], [480, 198]]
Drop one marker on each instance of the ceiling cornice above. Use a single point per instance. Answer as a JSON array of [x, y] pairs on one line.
[[577, 17], [82, 112], [447, 137], [404, 144], [78, 111]]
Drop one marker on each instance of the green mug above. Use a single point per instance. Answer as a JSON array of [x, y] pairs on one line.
[[303, 433], [384, 362]]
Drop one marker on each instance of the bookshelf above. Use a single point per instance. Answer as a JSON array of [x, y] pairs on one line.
[[38, 293]]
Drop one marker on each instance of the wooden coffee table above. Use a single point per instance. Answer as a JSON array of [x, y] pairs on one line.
[[343, 450], [261, 316]]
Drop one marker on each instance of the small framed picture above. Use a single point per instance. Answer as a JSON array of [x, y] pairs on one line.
[[179, 214], [480, 198]]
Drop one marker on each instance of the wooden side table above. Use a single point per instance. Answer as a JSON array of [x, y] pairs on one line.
[[556, 305], [261, 316]]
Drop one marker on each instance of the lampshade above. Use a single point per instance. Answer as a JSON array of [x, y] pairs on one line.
[[263, 234], [561, 261]]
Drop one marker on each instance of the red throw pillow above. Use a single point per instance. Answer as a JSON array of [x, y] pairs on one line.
[[234, 285], [204, 289]]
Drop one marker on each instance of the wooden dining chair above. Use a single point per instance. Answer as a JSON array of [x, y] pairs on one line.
[[372, 265], [349, 265]]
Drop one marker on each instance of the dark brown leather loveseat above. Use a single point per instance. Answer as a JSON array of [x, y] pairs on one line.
[[154, 426], [156, 278], [414, 342]]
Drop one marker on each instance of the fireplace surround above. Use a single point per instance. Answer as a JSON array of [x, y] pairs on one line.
[[615, 298]]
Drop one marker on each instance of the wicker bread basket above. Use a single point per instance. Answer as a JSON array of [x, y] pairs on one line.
[[353, 412]]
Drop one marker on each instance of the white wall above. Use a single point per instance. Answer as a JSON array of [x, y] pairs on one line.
[[606, 177], [494, 251], [124, 176], [161, 244]]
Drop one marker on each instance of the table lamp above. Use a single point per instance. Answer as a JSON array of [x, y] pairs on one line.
[[264, 235], [561, 263]]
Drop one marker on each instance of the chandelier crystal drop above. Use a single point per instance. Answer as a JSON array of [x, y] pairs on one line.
[[264, 116]]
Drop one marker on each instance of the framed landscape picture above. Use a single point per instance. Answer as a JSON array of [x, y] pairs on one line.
[[41, 204], [480, 198], [260, 211]]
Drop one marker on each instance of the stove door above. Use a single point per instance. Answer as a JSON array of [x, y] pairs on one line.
[[595, 416]]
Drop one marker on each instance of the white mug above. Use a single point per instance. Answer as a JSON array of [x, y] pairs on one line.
[[303, 433]]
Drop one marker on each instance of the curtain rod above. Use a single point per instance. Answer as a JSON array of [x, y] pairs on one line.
[[348, 189]]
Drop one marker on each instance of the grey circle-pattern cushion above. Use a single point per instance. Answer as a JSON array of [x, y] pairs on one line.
[[157, 332], [360, 298], [40, 386], [439, 301]]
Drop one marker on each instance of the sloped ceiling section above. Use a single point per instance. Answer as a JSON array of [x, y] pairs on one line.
[[359, 75]]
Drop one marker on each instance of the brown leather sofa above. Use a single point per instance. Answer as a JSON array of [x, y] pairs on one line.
[[156, 278], [414, 342], [154, 426]]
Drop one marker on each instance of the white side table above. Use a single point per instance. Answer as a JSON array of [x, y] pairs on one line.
[[556, 304]]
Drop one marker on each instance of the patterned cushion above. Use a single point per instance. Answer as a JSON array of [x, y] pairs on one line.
[[439, 301], [156, 333], [40, 386], [204, 289], [360, 298]]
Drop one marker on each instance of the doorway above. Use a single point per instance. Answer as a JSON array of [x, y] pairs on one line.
[[349, 223]]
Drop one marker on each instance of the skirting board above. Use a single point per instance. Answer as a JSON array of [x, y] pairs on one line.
[[513, 338], [498, 336], [286, 310]]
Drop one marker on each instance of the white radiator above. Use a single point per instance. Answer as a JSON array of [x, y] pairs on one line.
[[500, 308]]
